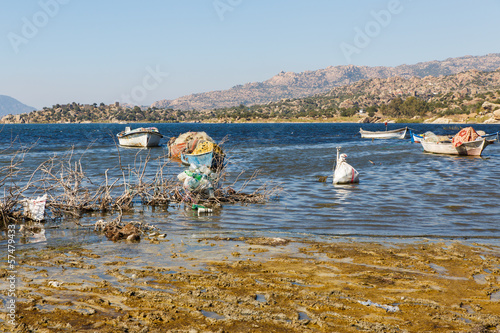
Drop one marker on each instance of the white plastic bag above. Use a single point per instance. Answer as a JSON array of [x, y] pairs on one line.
[[35, 208], [344, 173]]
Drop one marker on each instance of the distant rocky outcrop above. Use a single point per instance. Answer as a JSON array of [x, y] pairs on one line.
[[471, 96], [9, 105], [459, 85], [287, 85]]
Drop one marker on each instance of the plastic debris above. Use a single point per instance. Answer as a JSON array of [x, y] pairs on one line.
[[388, 308], [55, 284], [197, 180], [34, 209], [344, 173], [202, 209]]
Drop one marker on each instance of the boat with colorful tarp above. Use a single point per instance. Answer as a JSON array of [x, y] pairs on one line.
[[186, 143], [466, 142]]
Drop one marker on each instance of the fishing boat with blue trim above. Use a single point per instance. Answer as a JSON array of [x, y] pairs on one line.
[[416, 138]]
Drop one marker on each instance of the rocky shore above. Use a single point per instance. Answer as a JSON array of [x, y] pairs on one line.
[[258, 285]]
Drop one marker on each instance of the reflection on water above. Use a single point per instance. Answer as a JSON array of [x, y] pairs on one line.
[[32, 233]]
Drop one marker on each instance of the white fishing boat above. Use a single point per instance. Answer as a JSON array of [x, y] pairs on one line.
[[139, 137], [392, 134], [472, 148]]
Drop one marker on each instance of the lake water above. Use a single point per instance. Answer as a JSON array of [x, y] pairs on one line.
[[403, 192]]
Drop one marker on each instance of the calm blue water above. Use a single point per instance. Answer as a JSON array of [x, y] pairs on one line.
[[403, 192]]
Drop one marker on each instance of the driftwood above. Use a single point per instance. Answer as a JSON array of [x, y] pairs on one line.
[[71, 192], [10, 186]]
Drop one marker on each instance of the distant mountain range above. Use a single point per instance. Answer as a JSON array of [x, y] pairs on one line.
[[295, 85], [9, 105]]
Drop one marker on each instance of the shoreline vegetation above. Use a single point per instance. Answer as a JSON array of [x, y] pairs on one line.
[[467, 97], [482, 116]]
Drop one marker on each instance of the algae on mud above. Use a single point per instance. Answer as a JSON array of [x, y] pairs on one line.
[[249, 285]]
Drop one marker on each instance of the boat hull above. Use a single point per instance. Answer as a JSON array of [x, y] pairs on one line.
[[473, 148], [140, 139], [416, 138], [393, 134]]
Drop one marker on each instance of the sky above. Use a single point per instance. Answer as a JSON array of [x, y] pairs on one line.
[[139, 52]]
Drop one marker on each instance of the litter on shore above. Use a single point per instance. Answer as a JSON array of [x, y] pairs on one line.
[[116, 230]]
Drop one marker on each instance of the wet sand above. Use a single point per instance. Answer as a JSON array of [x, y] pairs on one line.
[[260, 285]]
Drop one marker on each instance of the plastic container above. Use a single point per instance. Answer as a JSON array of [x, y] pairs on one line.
[[193, 174], [193, 168], [204, 170], [204, 210], [182, 176]]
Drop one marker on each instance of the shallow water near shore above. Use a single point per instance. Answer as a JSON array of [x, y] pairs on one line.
[[403, 192], [180, 284], [415, 241]]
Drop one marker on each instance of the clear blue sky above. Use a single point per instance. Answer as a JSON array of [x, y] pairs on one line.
[[90, 51]]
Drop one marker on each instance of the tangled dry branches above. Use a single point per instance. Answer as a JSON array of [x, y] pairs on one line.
[[12, 197], [71, 191]]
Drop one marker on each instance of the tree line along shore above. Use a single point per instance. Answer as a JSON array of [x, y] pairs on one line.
[[400, 110], [469, 97]]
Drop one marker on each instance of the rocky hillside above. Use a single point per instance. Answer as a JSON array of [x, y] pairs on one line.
[[9, 105], [376, 91], [471, 96], [295, 85]]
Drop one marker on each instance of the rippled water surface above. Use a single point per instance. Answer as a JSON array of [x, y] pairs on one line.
[[403, 192]]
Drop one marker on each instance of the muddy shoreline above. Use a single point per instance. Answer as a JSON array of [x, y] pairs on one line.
[[259, 285]]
